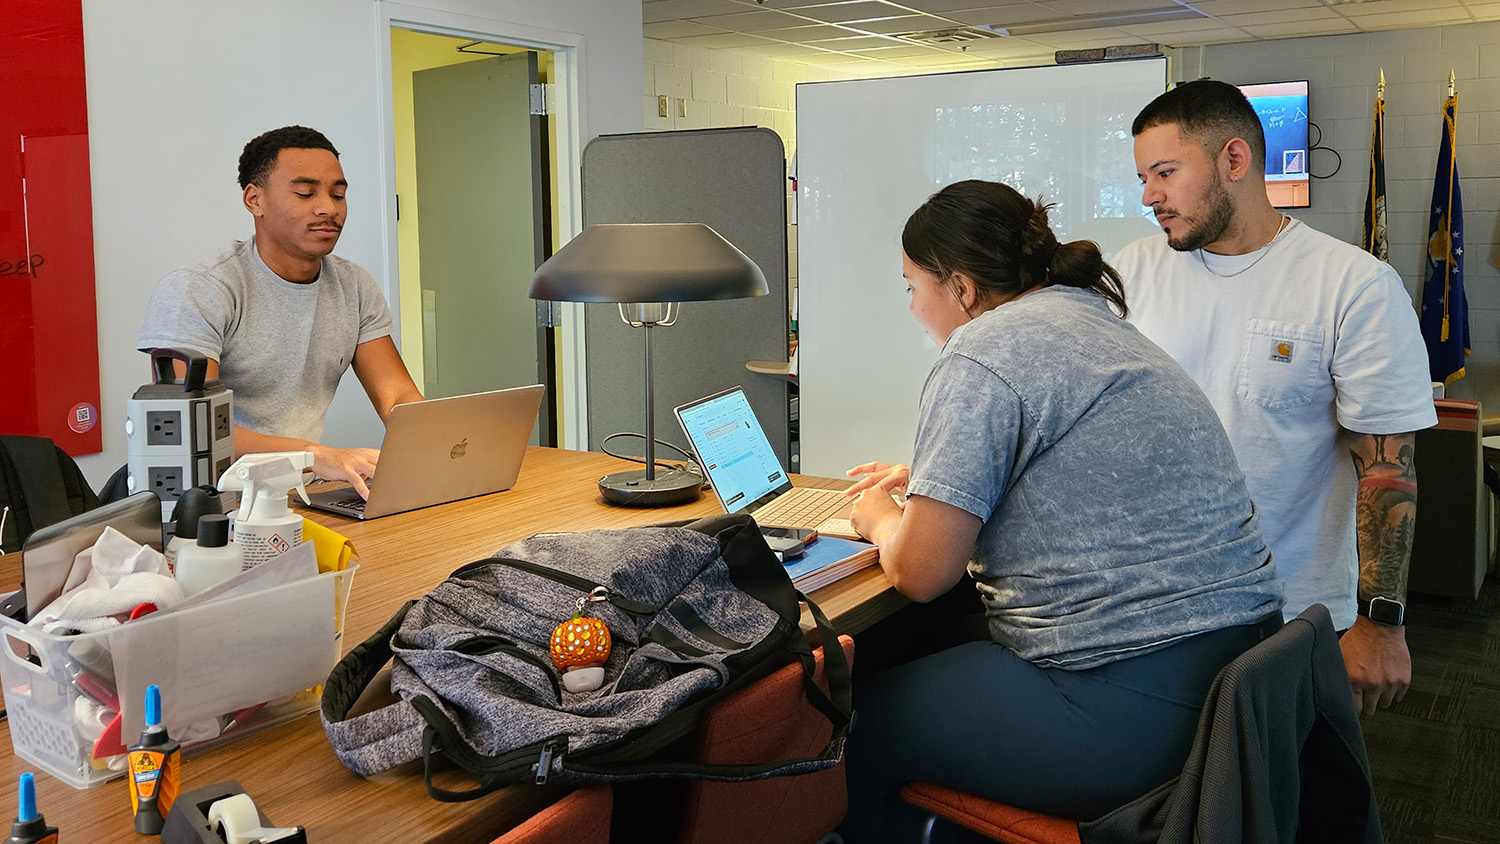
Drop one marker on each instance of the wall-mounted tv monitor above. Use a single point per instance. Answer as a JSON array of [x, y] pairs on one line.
[[1282, 107]]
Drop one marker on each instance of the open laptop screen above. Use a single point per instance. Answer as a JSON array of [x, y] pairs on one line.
[[734, 450]]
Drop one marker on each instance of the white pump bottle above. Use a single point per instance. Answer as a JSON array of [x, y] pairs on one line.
[[264, 526]]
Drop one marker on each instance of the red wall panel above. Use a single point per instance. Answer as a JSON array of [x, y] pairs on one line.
[[49, 340]]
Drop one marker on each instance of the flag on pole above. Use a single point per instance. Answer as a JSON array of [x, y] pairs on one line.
[[1445, 312], [1374, 240]]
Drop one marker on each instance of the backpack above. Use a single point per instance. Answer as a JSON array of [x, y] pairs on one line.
[[40, 485], [695, 611]]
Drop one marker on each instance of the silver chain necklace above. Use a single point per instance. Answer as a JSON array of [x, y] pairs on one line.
[[1287, 224]]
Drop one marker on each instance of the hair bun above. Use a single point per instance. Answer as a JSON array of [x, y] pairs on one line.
[[1038, 243]]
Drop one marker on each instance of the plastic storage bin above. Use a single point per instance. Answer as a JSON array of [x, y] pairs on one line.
[[226, 669]]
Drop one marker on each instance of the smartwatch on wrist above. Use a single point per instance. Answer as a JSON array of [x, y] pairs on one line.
[[1387, 611]]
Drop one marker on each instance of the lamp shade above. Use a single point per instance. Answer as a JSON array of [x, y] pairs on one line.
[[647, 262]]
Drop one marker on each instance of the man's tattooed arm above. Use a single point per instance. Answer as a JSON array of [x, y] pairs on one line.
[[1386, 512]]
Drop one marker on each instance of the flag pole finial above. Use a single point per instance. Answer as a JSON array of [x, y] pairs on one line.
[[1380, 88], [1450, 81]]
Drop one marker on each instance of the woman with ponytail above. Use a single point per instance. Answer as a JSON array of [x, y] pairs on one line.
[[1085, 484]]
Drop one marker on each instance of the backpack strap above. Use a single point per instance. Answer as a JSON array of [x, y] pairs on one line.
[[379, 740]]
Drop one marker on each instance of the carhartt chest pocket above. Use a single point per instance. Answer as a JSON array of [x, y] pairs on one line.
[[1281, 365]]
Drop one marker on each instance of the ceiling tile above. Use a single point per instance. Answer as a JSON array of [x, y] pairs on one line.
[[1164, 28], [1004, 15], [901, 51], [1108, 7], [905, 23], [665, 10], [1395, 20], [1267, 18], [677, 29], [1227, 7], [855, 10], [1296, 29], [724, 41], [803, 34], [752, 21], [775, 51], [1380, 7], [856, 42], [942, 7]]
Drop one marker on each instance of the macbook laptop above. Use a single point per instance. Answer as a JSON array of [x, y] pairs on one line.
[[48, 553], [747, 477], [442, 450]]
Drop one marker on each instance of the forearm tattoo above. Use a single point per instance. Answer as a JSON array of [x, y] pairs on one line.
[[1385, 512]]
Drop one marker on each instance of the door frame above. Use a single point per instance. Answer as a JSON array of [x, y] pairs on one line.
[[566, 145]]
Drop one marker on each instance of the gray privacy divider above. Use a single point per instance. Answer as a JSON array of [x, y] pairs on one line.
[[733, 180]]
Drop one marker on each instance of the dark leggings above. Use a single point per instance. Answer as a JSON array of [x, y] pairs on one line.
[[982, 720]]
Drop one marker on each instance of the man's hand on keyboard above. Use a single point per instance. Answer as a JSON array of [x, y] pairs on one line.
[[346, 464], [891, 479]]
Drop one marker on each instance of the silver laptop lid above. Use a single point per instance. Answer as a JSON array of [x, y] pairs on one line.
[[445, 449], [47, 555], [734, 451]]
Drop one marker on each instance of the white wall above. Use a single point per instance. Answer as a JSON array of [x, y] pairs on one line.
[[1342, 70], [175, 89]]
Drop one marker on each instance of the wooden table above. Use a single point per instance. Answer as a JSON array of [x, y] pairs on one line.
[[290, 769]]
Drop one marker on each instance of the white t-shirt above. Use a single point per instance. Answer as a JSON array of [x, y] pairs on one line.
[[1318, 338]]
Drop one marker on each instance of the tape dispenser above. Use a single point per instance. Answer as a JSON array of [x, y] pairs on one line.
[[224, 814]]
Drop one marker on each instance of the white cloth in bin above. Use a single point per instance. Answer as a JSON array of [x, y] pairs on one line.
[[107, 581]]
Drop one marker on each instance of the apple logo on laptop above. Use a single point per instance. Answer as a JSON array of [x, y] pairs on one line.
[[458, 450]]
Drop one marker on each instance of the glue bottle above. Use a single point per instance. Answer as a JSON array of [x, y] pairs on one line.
[[264, 527], [199, 501], [155, 770], [29, 827], [211, 559]]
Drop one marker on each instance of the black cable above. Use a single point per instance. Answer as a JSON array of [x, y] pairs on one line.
[[687, 455], [1317, 145]]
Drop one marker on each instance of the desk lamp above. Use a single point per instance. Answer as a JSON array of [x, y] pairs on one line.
[[648, 269]]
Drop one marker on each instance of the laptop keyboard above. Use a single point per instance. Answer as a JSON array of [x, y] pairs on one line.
[[802, 508], [353, 502]]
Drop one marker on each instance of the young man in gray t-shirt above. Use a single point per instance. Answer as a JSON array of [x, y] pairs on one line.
[[278, 317]]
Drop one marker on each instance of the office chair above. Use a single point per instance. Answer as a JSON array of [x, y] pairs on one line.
[[769, 720], [580, 818], [1278, 756]]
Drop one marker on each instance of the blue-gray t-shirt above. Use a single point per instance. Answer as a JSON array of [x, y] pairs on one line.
[[1116, 520]]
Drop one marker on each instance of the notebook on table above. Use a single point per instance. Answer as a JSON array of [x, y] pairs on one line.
[[746, 475], [443, 450]]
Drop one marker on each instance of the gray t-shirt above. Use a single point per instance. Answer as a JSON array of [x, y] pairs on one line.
[[1116, 519], [281, 346]]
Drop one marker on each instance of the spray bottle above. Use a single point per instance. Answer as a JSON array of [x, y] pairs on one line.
[[155, 770], [29, 827], [264, 526]]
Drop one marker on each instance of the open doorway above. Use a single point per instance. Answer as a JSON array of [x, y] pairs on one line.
[[475, 213]]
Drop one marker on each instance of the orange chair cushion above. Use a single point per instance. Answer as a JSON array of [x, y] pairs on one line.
[[994, 820], [580, 818], [766, 721]]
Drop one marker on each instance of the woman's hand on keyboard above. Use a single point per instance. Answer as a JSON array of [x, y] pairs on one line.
[[891, 479]]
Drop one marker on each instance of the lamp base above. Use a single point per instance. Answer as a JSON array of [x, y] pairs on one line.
[[669, 488]]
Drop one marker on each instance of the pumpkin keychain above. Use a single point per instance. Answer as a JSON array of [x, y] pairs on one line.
[[580, 646]]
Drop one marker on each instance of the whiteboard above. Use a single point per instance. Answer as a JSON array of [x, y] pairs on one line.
[[870, 152]]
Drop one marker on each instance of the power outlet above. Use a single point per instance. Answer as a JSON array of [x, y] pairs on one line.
[[223, 424], [163, 427], [166, 482]]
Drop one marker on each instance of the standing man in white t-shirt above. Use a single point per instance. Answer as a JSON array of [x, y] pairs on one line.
[[1309, 350]]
